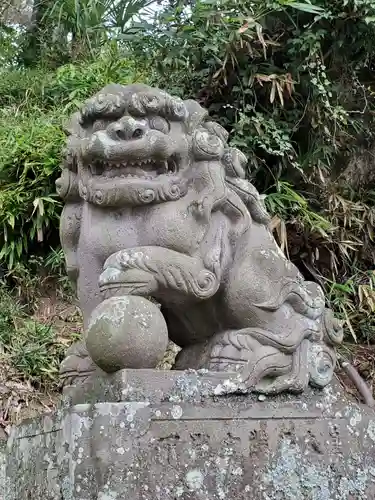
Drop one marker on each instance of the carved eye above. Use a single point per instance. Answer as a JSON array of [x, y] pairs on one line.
[[137, 134], [159, 123]]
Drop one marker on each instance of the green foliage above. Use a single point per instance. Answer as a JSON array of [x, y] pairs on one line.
[[29, 160], [269, 71], [292, 81], [66, 87], [9, 44], [78, 29], [354, 301], [293, 84], [39, 275], [32, 349], [33, 106]]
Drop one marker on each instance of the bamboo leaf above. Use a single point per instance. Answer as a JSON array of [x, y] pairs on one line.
[[306, 7]]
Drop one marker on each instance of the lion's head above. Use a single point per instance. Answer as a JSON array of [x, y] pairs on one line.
[[136, 145]]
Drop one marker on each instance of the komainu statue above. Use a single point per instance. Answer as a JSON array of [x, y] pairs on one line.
[[165, 238]]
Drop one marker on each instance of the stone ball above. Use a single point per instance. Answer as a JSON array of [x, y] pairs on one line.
[[126, 332]]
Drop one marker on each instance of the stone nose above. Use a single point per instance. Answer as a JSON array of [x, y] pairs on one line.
[[127, 128]]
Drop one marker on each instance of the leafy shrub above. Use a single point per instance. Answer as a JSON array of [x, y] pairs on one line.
[[30, 146], [68, 85], [39, 276], [293, 83], [32, 349], [354, 302]]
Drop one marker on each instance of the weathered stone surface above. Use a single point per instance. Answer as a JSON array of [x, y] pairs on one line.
[[157, 205], [157, 209], [127, 332], [192, 443], [154, 386], [3, 446]]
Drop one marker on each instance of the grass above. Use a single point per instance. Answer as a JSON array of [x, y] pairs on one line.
[[32, 349], [37, 323]]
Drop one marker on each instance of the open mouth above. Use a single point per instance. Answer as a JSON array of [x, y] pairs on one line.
[[147, 169]]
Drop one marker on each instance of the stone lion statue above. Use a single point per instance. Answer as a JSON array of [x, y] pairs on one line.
[[157, 205]]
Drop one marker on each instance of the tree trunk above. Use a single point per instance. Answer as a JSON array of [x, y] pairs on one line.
[[39, 29]]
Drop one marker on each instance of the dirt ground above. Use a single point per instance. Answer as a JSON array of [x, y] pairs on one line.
[[19, 399]]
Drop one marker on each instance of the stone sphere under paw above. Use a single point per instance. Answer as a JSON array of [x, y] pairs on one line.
[[126, 332]]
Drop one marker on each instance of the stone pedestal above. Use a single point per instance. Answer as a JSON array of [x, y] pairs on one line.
[[148, 435]]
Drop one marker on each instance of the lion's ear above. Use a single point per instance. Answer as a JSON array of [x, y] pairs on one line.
[[216, 129], [196, 115]]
